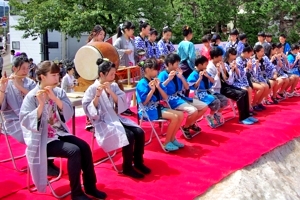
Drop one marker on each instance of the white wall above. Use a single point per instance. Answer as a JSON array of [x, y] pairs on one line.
[[31, 47], [55, 54]]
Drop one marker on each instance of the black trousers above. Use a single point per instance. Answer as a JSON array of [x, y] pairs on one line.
[[134, 151], [186, 75], [79, 156], [240, 96]]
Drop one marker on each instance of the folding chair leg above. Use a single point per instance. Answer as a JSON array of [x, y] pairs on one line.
[[106, 159], [49, 183], [158, 138], [113, 164], [12, 158], [233, 110]]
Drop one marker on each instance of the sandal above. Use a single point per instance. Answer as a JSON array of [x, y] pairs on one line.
[[178, 144], [210, 121], [171, 147], [195, 128], [186, 132]]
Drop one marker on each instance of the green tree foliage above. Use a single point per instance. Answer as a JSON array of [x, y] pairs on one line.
[[276, 16], [74, 17]]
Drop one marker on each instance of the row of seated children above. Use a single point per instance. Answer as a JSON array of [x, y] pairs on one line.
[[214, 81]]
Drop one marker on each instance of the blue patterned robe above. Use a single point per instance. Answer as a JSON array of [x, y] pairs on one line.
[[142, 91], [173, 98], [201, 90], [165, 48], [241, 80], [141, 43], [238, 46], [153, 51], [264, 71]]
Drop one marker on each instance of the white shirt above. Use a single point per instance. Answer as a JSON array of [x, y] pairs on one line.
[[212, 70]]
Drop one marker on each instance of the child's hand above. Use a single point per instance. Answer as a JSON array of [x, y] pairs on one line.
[[172, 74], [179, 73], [152, 85], [157, 82]]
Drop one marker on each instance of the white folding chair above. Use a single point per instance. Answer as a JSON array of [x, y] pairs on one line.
[[49, 182], [109, 156], [161, 122], [12, 157]]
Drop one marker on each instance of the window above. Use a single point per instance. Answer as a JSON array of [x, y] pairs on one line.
[[15, 45]]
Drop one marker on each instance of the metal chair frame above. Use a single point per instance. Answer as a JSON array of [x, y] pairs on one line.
[[49, 182], [12, 157]]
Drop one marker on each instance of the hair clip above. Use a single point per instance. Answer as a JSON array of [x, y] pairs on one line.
[[187, 28], [106, 59], [142, 63], [165, 27], [121, 26]]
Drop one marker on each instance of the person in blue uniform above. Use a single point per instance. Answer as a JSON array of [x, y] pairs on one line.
[[172, 78], [149, 92]]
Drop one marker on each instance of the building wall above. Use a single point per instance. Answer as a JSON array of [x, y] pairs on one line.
[[30, 46]]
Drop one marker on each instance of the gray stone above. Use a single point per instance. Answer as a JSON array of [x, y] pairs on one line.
[[275, 176]]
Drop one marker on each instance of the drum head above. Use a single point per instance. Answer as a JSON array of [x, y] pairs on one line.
[[85, 62]]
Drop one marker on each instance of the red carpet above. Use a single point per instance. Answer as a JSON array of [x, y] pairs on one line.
[[206, 159]]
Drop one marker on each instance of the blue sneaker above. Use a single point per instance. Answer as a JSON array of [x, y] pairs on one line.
[[253, 119], [218, 117], [178, 144], [171, 147], [246, 122]]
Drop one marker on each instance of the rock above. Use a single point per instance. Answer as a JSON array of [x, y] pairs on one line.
[[274, 176]]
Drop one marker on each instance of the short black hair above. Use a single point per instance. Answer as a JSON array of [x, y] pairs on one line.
[[69, 68], [200, 60], [30, 59], [20, 60], [215, 52], [242, 36], [257, 48], [172, 58], [247, 48], [283, 35], [262, 34]]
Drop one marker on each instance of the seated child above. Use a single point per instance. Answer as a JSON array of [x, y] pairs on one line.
[[174, 82], [214, 69], [200, 81], [103, 102], [149, 92]]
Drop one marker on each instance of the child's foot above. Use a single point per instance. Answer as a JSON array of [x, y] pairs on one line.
[[186, 132], [133, 173], [210, 120], [171, 147], [218, 117], [195, 128], [261, 106], [246, 122], [252, 119], [96, 194], [257, 108], [178, 144], [142, 168]]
